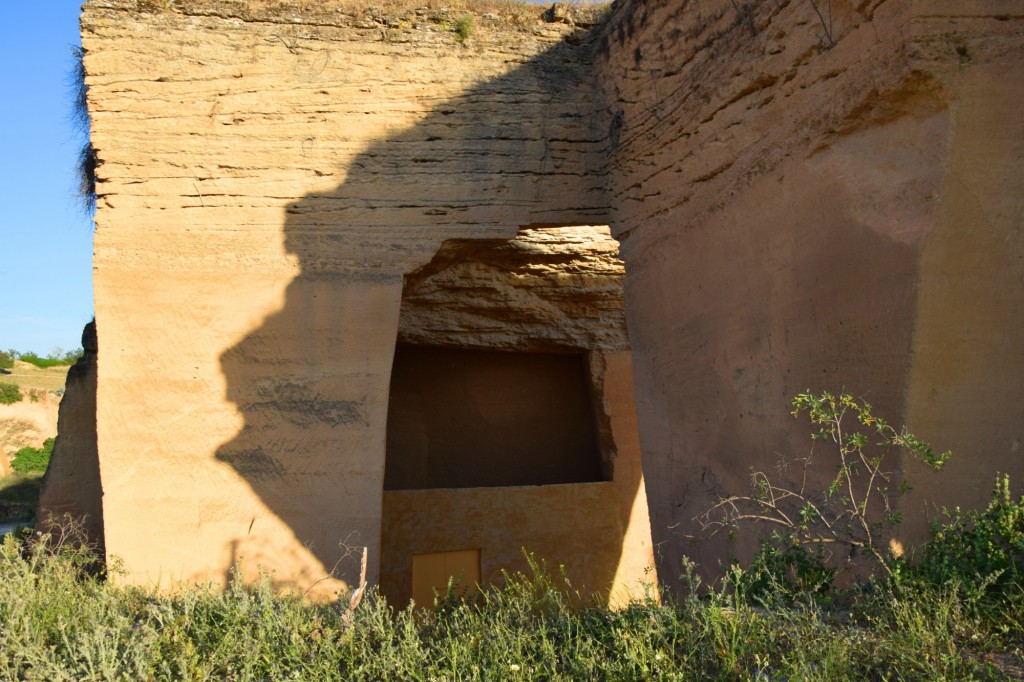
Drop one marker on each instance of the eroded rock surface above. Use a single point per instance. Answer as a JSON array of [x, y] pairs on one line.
[[268, 177], [286, 189], [803, 208], [548, 289]]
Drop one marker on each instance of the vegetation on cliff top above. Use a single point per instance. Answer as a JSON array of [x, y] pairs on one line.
[[58, 357]]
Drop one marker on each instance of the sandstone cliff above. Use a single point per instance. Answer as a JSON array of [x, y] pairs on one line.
[[808, 204], [285, 190], [272, 180]]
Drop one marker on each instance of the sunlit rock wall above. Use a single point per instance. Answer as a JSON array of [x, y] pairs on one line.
[[802, 203]]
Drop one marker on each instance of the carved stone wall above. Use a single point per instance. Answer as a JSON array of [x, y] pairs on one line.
[[286, 190], [268, 179]]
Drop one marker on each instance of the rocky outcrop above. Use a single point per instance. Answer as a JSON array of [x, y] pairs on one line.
[[71, 487], [548, 289]]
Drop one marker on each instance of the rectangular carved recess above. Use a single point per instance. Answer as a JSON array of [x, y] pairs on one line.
[[475, 418], [433, 572]]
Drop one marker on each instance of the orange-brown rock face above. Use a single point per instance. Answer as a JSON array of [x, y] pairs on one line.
[[547, 289], [804, 207], [267, 180]]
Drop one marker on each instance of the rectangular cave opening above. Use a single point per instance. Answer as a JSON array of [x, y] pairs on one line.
[[462, 418]]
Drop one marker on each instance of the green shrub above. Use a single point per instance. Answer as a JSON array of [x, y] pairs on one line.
[[72, 356], [463, 27], [57, 358], [33, 460], [784, 567], [6, 360], [9, 393], [979, 550], [824, 531]]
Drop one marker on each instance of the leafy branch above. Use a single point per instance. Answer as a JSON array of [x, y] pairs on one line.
[[856, 506]]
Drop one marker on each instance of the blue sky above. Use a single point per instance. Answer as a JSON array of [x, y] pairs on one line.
[[45, 238]]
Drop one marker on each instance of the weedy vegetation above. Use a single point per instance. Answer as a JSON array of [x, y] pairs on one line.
[[33, 460], [64, 622], [463, 27], [80, 120], [9, 393], [953, 611], [819, 533]]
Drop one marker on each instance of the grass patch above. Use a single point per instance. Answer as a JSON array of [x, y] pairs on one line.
[[62, 621], [463, 27], [29, 377]]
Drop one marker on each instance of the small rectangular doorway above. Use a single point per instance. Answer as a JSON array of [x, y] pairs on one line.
[[432, 571]]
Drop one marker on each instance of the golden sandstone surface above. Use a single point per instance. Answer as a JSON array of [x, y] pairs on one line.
[[287, 190]]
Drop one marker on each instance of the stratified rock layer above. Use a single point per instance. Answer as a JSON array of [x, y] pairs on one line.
[[284, 190], [268, 178], [547, 289]]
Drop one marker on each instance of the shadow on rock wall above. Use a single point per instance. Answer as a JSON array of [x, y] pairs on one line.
[[312, 382], [72, 485]]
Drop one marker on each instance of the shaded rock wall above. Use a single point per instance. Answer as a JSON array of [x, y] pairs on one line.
[[597, 532], [71, 485], [797, 215], [550, 403]]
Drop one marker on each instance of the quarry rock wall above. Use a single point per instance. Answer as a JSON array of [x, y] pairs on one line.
[[271, 179], [808, 204], [285, 190]]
